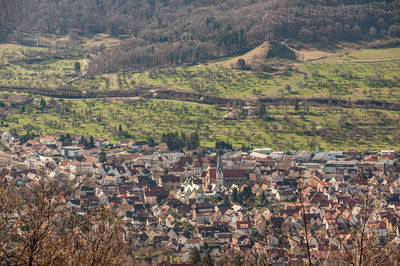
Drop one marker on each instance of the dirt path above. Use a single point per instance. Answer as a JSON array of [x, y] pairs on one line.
[[230, 113], [84, 71], [362, 61]]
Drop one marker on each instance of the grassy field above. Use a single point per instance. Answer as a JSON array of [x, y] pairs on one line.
[[101, 118], [282, 128], [221, 81], [328, 128], [369, 54], [345, 76], [48, 73], [352, 80], [9, 49], [348, 75]]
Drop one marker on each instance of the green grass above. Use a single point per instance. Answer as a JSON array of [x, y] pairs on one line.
[[353, 80], [221, 81], [335, 128], [101, 118], [284, 129], [329, 128], [337, 76], [369, 54], [10, 49], [48, 73], [17, 71]]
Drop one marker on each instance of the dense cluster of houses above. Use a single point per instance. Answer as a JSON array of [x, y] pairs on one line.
[[175, 201]]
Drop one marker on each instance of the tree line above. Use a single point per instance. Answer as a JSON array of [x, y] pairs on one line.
[[172, 32], [176, 141]]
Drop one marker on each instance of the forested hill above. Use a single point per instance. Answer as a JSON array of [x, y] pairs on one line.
[[169, 32]]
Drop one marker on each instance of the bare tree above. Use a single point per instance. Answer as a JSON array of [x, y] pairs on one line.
[[37, 228]]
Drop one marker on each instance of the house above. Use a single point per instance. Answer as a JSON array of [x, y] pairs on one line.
[[6, 136], [302, 156], [81, 167], [182, 239], [171, 180], [340, 167], [203, 212], [243, 227], [353, 153], [154, 195], [101, 143], [387, 152], [193, 243], [72, 152], [322, 157], [379, 228], [285, 195]]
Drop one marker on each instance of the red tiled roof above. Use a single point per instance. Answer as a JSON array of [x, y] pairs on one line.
[[234, 173], [213, 175]]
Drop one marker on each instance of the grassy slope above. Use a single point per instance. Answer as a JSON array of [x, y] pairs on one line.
[[364, 128], [330, 128], [101, 118], [335, 128], [344, 76], [325, 77]]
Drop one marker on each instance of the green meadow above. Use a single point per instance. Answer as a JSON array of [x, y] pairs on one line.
[[280, 128], [101, 118], [327, 128], [347, 76]]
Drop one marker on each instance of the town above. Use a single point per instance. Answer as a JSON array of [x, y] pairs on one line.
[[219, 204]]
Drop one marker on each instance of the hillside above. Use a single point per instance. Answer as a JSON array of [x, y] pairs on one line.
[[336, 99], [159, 33], [264, 57]]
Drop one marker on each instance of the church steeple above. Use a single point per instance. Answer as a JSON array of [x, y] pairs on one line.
[[220, 170]]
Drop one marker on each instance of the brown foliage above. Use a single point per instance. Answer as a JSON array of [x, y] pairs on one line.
[[39, 229]]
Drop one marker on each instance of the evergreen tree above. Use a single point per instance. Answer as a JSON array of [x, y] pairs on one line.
[[246, 193], [151, 141], [61, 137], [77, 67], [260, 110], [296, 104], [42, 103], [86, 144], [183, 139], [82, 140], [91, 142], [241, 63]]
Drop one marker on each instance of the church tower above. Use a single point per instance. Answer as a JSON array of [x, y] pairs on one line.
[[220, 170]]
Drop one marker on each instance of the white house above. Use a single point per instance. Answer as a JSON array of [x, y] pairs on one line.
[[6, 136], [71, 152], [101, 143]]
